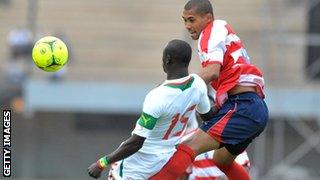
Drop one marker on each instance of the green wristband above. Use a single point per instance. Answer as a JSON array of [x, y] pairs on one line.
[[103, 162]]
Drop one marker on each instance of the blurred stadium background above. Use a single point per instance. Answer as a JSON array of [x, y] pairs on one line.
[[63, 121]]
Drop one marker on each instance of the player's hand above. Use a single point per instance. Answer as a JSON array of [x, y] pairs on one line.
[[94, 170]]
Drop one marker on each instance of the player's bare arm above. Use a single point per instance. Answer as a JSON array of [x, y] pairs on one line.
[[207, 116], [126, 149], [210, 72]]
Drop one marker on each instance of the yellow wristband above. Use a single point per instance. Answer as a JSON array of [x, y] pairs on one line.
[[103, 162]]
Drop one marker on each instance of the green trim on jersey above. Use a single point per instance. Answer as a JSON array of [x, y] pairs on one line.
[[121, 169], [183, 85], [147, 121]]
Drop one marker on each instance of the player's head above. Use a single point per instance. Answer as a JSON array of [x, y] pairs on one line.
[[197, 14], [176, 55]]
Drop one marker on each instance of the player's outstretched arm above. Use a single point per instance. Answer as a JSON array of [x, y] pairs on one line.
[[126, 149]]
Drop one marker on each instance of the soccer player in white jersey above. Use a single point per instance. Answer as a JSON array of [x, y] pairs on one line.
[[240, 111], [163, 120], [202, 168]]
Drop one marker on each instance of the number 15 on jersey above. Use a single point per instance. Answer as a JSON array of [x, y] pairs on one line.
[[183, 119]]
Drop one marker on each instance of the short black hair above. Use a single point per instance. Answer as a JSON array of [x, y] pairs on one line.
[[178, 51], [201, 6]]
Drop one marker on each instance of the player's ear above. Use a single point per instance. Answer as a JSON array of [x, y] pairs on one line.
[[168, 59], [209, 17]]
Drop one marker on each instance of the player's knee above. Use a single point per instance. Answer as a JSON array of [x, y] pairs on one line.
[[190, 145], [198, 145], [223, 162], [223, 157]]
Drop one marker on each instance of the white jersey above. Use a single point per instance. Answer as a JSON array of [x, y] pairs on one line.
[[166, 110], [165, 115]]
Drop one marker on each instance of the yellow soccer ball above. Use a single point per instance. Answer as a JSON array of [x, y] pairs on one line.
[[50, 54]]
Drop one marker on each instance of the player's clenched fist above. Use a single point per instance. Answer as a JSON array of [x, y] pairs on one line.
[[94, 170]]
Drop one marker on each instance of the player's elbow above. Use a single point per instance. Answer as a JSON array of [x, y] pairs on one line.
[[210, 76], [211, 73], [208, 116], [214, 76], [137, 142], [139, 145]]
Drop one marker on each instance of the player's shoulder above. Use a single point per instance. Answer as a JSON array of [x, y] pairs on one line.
[[196, 78], [219, 27], [159, 90], [219, 22], [158, 94], [198, 81], [172, 87], [216, 35]]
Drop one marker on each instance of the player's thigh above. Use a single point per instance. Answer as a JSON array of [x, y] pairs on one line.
[[201, 142], [240, 119], [223, 156]]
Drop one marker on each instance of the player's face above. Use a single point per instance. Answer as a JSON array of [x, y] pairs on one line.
[[195, 23]]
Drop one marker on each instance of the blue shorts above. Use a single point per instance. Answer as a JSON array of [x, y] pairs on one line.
[[241, 119]]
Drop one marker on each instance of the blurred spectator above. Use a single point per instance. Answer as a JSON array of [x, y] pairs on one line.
[[20, 42]]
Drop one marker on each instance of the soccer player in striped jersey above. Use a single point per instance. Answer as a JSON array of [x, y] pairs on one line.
[[164, 117], [241, 113]]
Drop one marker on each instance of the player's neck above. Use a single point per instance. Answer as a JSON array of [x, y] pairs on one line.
[[177, 74]]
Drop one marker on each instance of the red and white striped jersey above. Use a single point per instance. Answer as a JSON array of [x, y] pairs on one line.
[[218, 43], [203, 168]]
